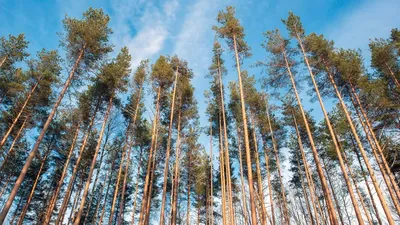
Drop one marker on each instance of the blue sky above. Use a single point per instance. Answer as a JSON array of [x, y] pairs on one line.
[[151, 28]]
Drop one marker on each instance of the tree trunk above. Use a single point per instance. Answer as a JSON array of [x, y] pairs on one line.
[[211, 176], [304, 192], [393, 76], [339, 210], [259, 180], [109, 174], [150, 159], [136, 187], [188, 192], [149, 197], [333, 137], [71, 182], [4, 187], [13, 144], [222, 174], [244, 201], [382, 160], [32, 154], [359, 144], [285, 209], [129, 157], [357, 189], [116, 190], [175, 186], [227, 159], [86, 190], [28, 201], [371, 196], [106, 196], [166, 166], [246, 137], [28, 97], [311, 186], [53, 200], [75, 202], [96, 178], [3, 60], [271, 197]]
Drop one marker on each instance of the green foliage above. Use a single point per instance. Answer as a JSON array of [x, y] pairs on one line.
[[232, 31], [12, 50], [90, 34]]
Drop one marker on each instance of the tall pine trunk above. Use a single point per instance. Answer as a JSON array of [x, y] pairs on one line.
[[385, 170], [358, 141], [129, 157], [333, 137], [166, 166], [86, 190], [28, 201], [116, 190], [274, 144], [371, 195], [246, 138], [150, 159], [243, 195], [13, 144], [136, 187], [32, 154], [327, 193], [271, 197], [222, 174], [211, 176], [108, 177], [53, 200], [14, 122], [227, 158], [259, 179], [305, 195], [175, 186], [310, 182], [67, 195], [393, 76]]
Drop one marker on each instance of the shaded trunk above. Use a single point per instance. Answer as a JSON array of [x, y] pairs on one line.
[[67, 195], [32, 154], [53, 200], [244, 200], [175, 186], [271, 197], [333, 137], [371, 195], [246, 138], [14, 122], [274, 144], [12, 145], [259, 180], [149, 163], [385, 170], [311, 186], [222, 174], [304, 193], [360, 147], [166, 166], [129, 157], [136, 187], [227, 159], [393, 76], [109, 174], [86, 190], [28, 201], [331, 211], [211, 177]]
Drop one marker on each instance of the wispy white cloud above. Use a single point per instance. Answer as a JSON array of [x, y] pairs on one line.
[[194, 41], [369, 20], [142, 27]]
